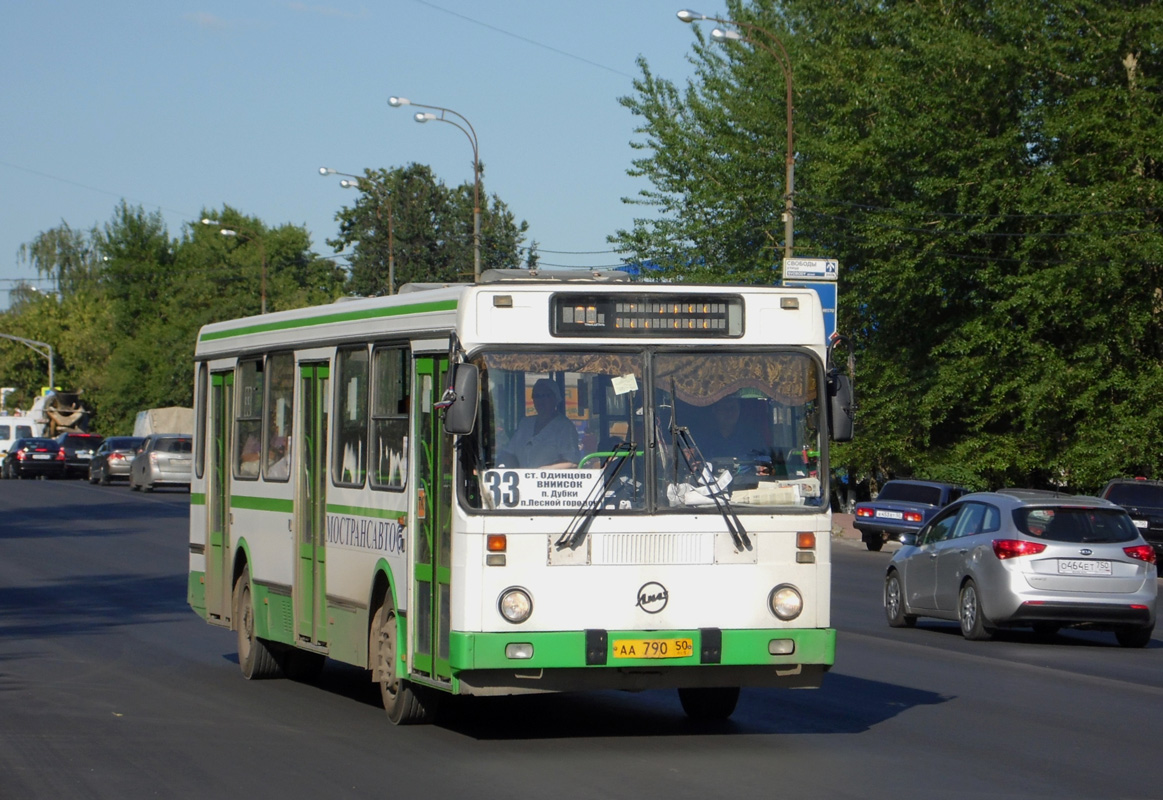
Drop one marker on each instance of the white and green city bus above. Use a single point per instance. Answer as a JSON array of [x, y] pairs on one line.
[[372, 484]]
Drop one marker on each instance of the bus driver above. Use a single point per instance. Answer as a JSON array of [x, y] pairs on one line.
[[547, 439]]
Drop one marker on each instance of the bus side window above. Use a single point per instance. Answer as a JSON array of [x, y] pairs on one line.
[[279, 415], [248, 421], [349, 456], [390, 402]]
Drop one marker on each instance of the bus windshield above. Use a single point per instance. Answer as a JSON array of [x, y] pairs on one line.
[[657, 430]]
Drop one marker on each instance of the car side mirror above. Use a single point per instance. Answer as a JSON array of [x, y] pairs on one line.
[[460, 405], [908, 540]]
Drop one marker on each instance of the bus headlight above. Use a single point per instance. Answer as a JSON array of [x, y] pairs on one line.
[[786, 602], [515, 605]]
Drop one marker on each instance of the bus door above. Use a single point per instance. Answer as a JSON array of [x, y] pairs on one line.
[[311, 503], [432, 523], [218, 572]]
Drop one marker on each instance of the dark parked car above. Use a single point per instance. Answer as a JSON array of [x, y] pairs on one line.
[[34, 458], [1026, 558], [1143, 501], [79, 449], [164, 460], [901, 507], [113, 458]]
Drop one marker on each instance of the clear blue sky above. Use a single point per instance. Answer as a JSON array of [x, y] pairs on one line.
[[180, 106]]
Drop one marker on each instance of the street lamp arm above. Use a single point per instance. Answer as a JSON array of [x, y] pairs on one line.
[[469, 132], [782, 57], [34, 345], [400, 101]]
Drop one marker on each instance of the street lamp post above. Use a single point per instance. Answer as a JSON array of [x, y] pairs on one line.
[[467, 129], [262, 252], [363, 184], [781, 57]]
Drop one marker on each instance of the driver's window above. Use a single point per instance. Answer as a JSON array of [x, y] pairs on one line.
[[575, 414], [969, 520], [940, 528]]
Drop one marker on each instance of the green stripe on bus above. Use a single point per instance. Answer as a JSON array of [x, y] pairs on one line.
[[327, 319], [261, 503], [563, 649], [197, 498], [360, 511]]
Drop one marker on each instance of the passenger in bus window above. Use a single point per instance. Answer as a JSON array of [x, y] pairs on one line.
[[248, 457], [547, 439], [279, 459]]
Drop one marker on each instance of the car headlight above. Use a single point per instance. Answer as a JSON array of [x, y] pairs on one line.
[[515, 605], [786, 602]]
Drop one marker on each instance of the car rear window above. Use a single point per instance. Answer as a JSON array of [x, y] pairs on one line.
[[83, 440], [49, 443], [1136, 494], [910, 493], [1076, 524], [174, 445], [124, 442]]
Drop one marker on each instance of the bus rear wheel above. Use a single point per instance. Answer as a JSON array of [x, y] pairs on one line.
[[255, 658], [401, 699], [707, 704]]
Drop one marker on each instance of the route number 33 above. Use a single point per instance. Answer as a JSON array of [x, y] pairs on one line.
[[504, 488]]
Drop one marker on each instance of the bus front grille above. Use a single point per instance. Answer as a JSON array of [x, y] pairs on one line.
[[617, 549]]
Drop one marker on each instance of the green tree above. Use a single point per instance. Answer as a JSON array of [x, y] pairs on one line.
[[137, 257], [987, 176], [131, 300], [68, 256], [408, 217]]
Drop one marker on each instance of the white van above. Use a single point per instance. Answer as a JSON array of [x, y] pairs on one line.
[[13, 428]]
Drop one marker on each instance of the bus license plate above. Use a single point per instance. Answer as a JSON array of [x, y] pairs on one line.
[[653, 648], [1070, 566]]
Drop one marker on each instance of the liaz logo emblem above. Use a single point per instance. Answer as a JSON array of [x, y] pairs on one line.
[[1085, 551], [652, 597]]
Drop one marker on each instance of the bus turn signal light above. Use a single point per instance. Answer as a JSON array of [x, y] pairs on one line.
[[496, 543]]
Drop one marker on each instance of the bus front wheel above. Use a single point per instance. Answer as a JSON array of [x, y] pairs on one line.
[[706, 704], [401, 700]]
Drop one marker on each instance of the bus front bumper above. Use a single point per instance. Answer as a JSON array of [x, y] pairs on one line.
[[515, 663]]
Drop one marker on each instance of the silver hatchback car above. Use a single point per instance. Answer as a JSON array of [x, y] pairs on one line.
[[164, 459], [1026, 558]]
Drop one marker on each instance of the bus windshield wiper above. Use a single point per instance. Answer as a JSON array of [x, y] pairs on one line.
[[686, 447], [579, 527]]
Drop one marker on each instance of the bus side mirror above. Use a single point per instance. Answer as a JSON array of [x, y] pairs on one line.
[[841, 407], [461, 413]]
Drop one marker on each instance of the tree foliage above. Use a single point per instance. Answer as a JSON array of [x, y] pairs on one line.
[[408, 219], [987, 174], [130, 300]]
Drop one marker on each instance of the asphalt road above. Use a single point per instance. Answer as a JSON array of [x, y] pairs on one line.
[[110, 687]]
